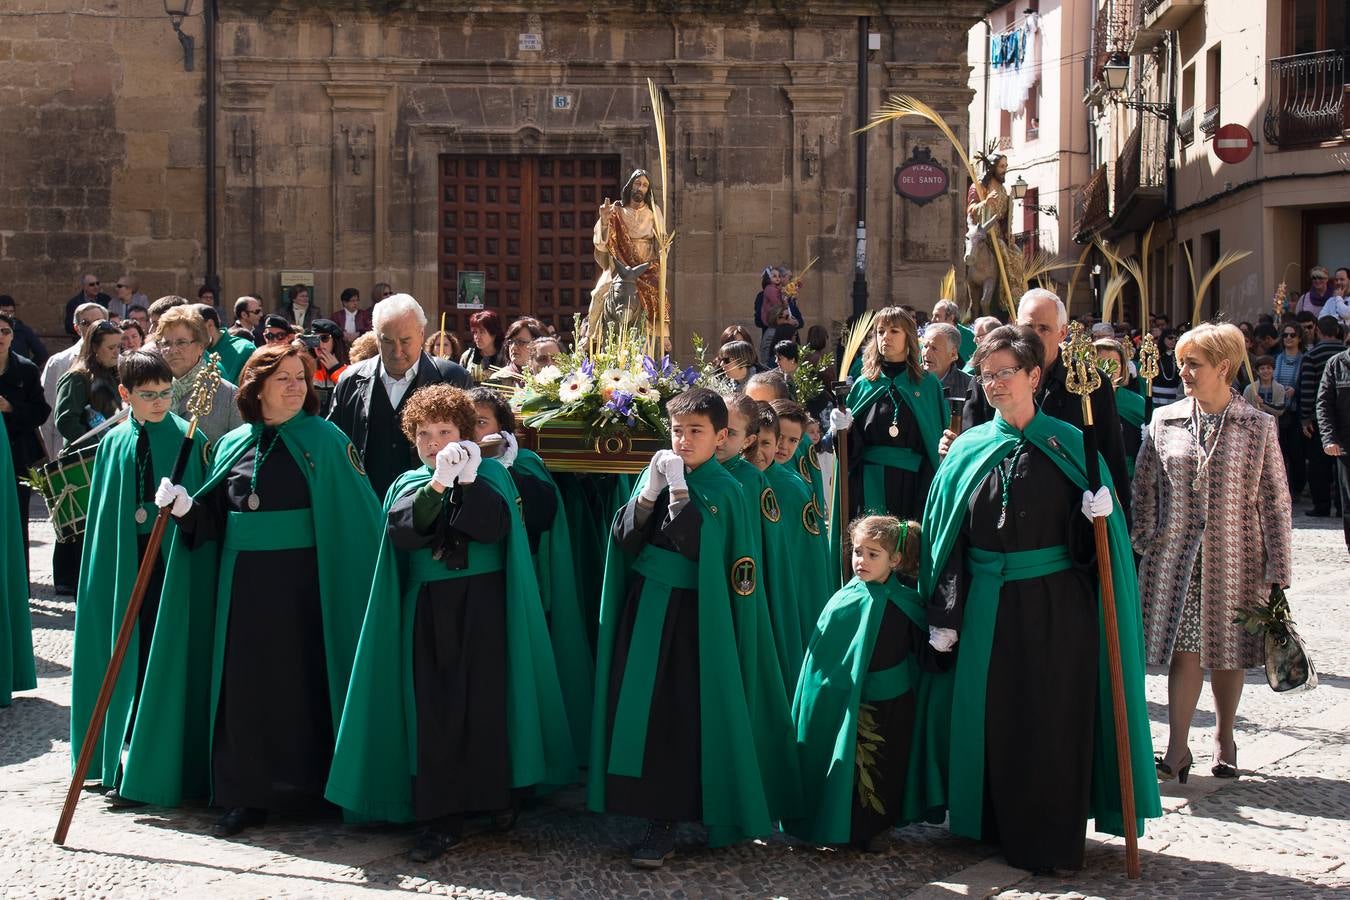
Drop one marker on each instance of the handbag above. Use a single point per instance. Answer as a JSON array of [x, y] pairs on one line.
[[1288, 666]]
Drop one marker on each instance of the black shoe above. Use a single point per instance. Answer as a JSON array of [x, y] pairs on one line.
[[117, 801], [64, 590], [237, 819], [877, 843], [432, 844], [504, 820], [656, 846]]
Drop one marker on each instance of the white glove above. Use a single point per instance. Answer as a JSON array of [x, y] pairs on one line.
[[945, 442], [840, 420], [672, 466], [174, 496], [1098, 505], [449, 462], [512, 450], [656, 476], [942, 639], [469, 474]]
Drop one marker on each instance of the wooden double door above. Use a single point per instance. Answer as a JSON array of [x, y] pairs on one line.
[[525, 222]]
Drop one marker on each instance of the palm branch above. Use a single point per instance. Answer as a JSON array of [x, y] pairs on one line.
[[1198, 289], [1115, 285], [853, 341], [947, 289], [1073, 279]]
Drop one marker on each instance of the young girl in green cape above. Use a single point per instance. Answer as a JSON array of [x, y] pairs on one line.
[[454, 706], [554, 565], [856, 699], [128, 466]]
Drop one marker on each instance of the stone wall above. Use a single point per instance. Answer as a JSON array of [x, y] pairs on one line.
[[333, 116], [100, 153]]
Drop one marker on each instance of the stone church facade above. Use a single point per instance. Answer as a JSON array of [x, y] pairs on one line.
[[406, 142]]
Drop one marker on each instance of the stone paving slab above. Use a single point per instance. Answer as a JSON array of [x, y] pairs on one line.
[[1281, 831]]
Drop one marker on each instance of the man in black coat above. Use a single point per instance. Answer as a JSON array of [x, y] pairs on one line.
[[370, 394], [89, 293], [1042, 310], [26, 342]]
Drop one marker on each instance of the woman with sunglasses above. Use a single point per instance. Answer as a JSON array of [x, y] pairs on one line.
[[1288, 370], [331, 355]]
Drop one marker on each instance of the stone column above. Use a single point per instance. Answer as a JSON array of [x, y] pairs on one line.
[[359, 184]]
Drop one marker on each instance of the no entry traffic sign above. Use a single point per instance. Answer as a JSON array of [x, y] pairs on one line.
[[1232, 143]]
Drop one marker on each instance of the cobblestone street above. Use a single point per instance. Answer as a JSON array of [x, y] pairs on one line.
[[1283, 829]]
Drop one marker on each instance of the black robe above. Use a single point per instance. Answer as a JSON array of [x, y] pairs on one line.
[[671, 786], [459, 656], [1042, 681], [538, 506], [906, 492], [274, 728]]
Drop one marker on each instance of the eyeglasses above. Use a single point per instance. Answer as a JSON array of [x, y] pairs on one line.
[[5, 331], [254, 311], [150, 396], [517, 342], [1002, 376], [87, 322], [386, 294], [1289, 334], [1314, 278], [181, 344], [271, 336], [326, 337], [91, 284]]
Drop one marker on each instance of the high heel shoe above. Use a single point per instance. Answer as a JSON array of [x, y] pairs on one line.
[[1222, 769], [1165, 772]]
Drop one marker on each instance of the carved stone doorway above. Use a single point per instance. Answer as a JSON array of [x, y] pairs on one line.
[[525, 222]]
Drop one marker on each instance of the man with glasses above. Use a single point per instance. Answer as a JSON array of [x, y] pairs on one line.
[[128, 294], [84, 317], [1042, 311], [182, 339], [1316, 297], [26, 342], [89, 293], [247, 319]]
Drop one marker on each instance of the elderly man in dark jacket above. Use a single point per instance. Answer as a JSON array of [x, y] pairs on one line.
[[370, 394], [1333, 424]]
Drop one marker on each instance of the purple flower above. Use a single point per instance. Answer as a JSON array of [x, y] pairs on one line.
[[649, 367], [588, 368], [621, 404], [687, 377]]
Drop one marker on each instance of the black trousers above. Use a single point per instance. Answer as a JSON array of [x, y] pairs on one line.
[[1293, 449], [66, 562], [1343, 478], [1321, 477]]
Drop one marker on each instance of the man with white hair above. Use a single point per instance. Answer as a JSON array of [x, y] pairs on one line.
[[940, 342], [1043, 312], [370, 394], [946, 312]]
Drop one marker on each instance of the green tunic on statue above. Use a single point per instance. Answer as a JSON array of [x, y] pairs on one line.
[[234, 352], [807, 571], [376, 755], [555, 568], [748, 770], [108, 571], [170, 755], [17, 669], [953, 747], [834, 682]]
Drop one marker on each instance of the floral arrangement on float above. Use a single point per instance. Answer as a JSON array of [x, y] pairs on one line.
[[601, 408]]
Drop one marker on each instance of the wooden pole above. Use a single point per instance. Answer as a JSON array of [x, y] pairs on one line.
[[841, 514]]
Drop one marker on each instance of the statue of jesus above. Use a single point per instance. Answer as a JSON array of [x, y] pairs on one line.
[[627, 239]]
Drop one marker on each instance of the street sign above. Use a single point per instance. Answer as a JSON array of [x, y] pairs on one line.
[[1233, 143], [921, 178]]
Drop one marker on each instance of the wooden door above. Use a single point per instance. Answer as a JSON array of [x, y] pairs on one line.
[[525, 223]]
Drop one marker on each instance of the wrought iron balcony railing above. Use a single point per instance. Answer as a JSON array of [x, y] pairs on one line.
[[1209, 122], [1091, 207], [1186, 126], [1307, 98]]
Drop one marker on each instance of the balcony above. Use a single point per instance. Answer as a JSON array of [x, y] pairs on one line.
[[1090, 206], [1209, 122], [1169, 15], [1031, 242], [1186, 126], [1307, 99], [1141, 179]]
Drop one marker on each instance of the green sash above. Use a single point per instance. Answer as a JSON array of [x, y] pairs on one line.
[[887, 684], [972, 457], [876, 460], [18, 671], [108, 571], [989, 572], [283, 529], [376, 754]]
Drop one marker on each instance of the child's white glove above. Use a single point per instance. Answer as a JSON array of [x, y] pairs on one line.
[[469, 474], [512, 450], [1098, 505], [673, 468], [656, 476], [942, 639], [449, 462], [174, 496], [840, 420]]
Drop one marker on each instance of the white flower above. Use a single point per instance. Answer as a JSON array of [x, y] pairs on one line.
[[646, 393], [626, 384], [574, 387], [613, 378], [547, 375]]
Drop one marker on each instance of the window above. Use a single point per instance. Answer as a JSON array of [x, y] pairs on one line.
[[1033, 110], [1210, 242], [1311, 26]]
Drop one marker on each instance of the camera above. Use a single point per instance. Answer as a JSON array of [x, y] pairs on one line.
[[310, 340]]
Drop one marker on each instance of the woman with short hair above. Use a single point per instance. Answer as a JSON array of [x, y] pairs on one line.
[[1212, 525], [263, 601], [519, 337], [486, 354]]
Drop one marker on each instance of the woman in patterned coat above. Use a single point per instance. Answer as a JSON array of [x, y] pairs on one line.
[[1212, 523]]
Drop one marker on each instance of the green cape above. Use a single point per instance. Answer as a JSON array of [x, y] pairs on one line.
[[234, 352], [825, 708], [749, 769], [809, 580], [967, 349], [555, 568], [1130, 407], [108, 573], [806, 463], [17, 669], [972, 457], [376, 755], [927, 403], [170, 753], [589, 534]]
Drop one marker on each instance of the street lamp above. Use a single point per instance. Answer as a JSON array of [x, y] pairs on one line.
[[1115, 75], [178, 10], [1019, 191]]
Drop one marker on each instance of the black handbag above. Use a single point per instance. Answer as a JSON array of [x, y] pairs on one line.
[[1288, 666]]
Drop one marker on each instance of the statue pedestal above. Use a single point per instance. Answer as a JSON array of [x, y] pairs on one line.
[[565, 447]]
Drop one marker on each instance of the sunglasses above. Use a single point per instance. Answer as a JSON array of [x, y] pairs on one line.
[[275, 335], [91, 284], [1289, 334], [5, 331], [119, 285]]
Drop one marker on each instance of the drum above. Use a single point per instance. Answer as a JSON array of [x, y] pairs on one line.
[[64, 484]]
